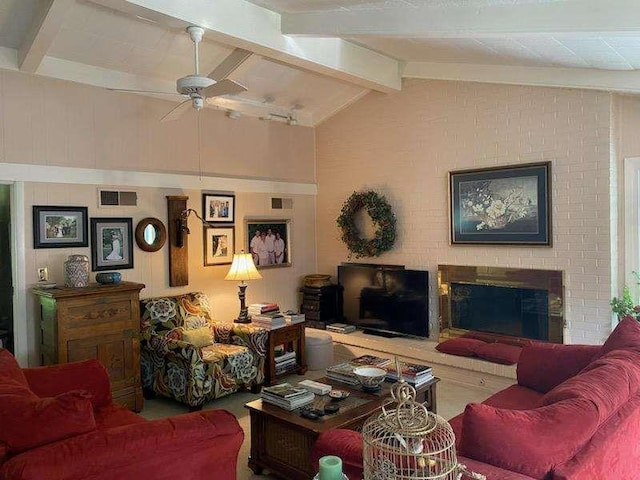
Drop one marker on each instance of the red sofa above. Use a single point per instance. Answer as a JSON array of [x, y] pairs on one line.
[[574, 415], [59, 422]]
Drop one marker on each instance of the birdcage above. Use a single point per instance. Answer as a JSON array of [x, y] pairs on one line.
[[409, 442]]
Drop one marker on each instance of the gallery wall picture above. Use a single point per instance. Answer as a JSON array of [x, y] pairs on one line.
[[218, 208], [219, 245], [111, 244], [508, 205], [269, 242], [59, 227]]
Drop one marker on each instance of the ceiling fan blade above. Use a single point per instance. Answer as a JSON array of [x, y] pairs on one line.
[[177, 112], [229, 64], [223, 87], [141, 91]]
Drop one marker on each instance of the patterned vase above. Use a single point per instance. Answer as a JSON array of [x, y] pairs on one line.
[[76, 271]]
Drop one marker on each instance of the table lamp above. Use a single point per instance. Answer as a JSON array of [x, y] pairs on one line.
[[242, 268]]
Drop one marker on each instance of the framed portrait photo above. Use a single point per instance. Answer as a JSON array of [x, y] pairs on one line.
[[111, 244], [218, 245], [218, 208], [59, 227], [269, 242], [508, 205]]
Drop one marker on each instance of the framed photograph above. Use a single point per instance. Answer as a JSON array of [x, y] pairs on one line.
[[218, 208], [59, 227], [111, 244], [269, 242], [218, 245], [508, 205]]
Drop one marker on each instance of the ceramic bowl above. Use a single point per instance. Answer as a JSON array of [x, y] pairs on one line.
[[370, 377]]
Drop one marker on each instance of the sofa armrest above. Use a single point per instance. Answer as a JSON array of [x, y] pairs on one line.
[[251, 336], [88, 375], [197, 445], [542, 366]]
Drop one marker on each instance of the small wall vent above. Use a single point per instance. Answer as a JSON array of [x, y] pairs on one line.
[[115, 198], [281, 203]]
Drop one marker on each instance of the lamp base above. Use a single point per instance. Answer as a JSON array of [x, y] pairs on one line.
[[240, 320]]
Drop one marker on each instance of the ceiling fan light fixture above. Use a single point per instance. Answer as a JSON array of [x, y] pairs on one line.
[[267, 117], [292, 121], [234, 114]]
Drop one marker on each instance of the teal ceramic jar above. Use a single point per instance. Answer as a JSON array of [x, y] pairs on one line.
[[108, 278]]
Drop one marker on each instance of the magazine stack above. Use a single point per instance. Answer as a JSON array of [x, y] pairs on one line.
[[259, 308], [412, 373], [286, 396], [285, 361], [343, 372]]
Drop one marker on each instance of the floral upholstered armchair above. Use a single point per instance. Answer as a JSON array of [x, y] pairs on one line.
[[190, 357]]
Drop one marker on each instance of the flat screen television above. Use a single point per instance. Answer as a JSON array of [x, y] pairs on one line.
[[385, 299]]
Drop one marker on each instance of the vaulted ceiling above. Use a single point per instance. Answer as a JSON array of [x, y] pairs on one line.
[[313, 57]]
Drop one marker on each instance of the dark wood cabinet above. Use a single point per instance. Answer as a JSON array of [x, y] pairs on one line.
[[98, 321], [292, 338], [321, 305]]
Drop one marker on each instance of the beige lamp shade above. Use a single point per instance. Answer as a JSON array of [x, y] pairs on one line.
[[243, 268]]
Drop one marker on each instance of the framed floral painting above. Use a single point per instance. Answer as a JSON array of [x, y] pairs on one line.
[[508, 205]]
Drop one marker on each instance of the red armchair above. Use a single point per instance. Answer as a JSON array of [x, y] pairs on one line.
[[59, 423]]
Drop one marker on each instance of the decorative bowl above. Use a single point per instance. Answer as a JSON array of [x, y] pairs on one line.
[[370, 377], [108, 278]]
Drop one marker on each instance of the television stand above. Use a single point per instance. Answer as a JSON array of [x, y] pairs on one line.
[[381, 334]]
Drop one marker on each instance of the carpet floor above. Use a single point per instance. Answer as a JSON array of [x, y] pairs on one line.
[[452, 398]]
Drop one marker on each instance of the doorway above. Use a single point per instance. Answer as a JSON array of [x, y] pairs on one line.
[[6, 282]]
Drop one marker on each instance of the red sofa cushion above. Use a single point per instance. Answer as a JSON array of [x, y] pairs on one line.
[[347, 444], [542, 366], [499, 353], [88, 375], [10, 371], [608, 382], [530, 442], [463, 347], [625, 335], [28, 421]]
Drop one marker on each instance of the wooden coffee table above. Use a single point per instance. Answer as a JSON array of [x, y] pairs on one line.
[[281, 441]]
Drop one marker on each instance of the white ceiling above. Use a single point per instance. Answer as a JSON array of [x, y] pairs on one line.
[[313, 57]]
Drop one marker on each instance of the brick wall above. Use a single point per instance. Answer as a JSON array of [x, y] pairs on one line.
[[403, 145]]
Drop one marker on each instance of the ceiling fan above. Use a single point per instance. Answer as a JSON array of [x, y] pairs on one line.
[[199, 87]]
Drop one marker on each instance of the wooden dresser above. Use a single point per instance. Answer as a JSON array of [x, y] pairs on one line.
[[99, 321]]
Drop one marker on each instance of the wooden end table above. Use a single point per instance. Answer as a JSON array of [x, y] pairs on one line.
[[292, 337]]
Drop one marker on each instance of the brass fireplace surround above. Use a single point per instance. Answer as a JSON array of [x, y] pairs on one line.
[[549, 280]]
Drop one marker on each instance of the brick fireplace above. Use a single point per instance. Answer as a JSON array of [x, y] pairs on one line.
[[517, 302]]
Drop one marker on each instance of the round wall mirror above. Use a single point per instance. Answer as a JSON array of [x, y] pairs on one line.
[[150, 234]]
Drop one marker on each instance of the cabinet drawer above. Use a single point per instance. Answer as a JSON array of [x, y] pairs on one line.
[[91, 314], [283, 336]]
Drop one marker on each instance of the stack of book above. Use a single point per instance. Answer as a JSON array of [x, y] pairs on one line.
[[341, 328], [287, 396], [270, 321], [259, 308], [292, 317], [343, 372], [412, 373], [285, 361]]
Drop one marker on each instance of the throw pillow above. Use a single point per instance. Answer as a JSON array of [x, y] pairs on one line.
[[625, 335], [608, 383], [531, 442], [29, 422], [10, 371], [499, 353], [198, 337], [463, 347]]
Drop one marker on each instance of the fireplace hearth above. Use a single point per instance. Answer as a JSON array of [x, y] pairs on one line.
[[516, 302]]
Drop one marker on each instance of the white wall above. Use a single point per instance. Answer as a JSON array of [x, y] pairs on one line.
[[403, 145]]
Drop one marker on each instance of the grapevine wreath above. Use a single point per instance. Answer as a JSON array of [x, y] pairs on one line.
[[382, 216]]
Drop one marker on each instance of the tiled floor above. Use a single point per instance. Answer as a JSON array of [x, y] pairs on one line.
[[452, 398]]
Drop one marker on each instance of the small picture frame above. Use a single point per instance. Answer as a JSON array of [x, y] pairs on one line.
[[218, 208], [59, 227], [269, 242], [509, 205], [111, 244], [219, 245]]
